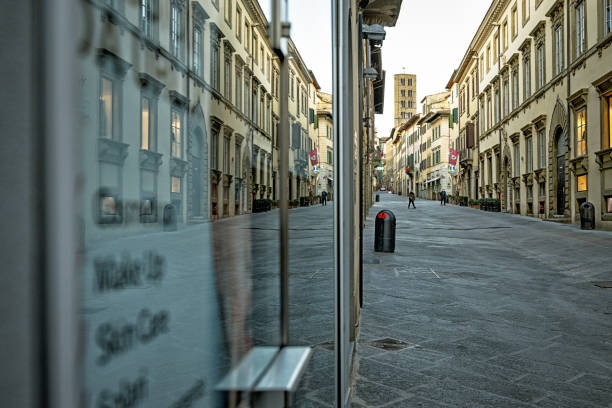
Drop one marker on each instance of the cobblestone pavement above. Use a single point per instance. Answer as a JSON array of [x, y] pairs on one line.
[[482, 309]]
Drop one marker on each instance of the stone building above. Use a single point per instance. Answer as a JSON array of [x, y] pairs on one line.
[[404, 98], [325, 144], [408, 137], [182, 100], [541, 142], [302, 104], [435, 140]]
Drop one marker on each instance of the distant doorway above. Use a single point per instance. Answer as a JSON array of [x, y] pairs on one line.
[[196, 174], [560, 175]]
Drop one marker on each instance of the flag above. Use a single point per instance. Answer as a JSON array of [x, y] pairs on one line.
[[314, 157], [453, 155]]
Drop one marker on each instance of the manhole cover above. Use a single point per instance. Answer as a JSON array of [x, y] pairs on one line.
[[390, 344], [603, 284]]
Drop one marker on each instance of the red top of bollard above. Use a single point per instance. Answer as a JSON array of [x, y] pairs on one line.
[[382, 215]]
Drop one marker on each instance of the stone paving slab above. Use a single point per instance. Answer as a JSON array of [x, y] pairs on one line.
[[499, 311]]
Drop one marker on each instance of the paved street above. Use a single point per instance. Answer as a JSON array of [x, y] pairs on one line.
[[473, 309], [481, 309]]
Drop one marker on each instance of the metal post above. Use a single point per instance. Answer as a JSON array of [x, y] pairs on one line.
[[59, 59], [279, 31], [343, 191]]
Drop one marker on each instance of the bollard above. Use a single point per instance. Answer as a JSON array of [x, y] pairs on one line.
[[169, 218], [384, 232], [587, 216], [377, 198]]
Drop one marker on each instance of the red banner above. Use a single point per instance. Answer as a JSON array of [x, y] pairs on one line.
[[453, 155], [314, 157]]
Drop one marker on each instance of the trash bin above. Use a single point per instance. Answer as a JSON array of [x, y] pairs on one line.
[[169, 218], [587, 216], [384, 232], [377, 198]]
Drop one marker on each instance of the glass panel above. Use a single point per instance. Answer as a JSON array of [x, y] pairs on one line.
[[181, 262], [581, 127], [144, 122], [609, 121], [106, 108], [581, 181]]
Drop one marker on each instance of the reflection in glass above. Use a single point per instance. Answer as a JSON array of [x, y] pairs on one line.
[[146, 135], [176, 133], [176, 184], [109, 206], [106, 108]]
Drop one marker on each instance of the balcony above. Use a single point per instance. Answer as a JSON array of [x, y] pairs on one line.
[[466, 157]]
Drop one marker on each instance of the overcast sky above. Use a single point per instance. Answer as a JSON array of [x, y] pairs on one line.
[[429, 40]]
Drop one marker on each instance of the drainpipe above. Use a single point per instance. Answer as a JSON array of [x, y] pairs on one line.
[[187, 121], [499, 84], [568, 76]]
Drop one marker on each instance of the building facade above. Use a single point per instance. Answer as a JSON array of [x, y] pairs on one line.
[[465, 84], [540, 71], [435, 143], [404, 98], [407, 169], [325, 144]]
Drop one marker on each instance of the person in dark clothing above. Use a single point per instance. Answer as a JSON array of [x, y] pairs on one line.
[[442, 197], [324, 198], [411, 199]]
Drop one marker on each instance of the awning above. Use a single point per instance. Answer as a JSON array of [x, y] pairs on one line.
[[432, 180]]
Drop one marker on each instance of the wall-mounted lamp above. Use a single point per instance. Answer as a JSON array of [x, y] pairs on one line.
[[370, 73]]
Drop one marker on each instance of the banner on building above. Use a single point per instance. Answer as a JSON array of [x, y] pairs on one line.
[[453, 155], [314, 157]]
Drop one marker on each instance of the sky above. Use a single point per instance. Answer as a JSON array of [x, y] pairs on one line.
[[429, 39]]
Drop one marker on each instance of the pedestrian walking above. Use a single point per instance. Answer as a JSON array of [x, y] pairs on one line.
[[411, 199], [443, 197], [324, 198]]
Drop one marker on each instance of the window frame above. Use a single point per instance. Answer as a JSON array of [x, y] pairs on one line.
[[198, 50], [516, 147], [579, 28], [228, 12], [529, 153], [542, 147], [541, 65], [526, 77], [148, 10], [607, 17], [526, 11], [580, 131], [177, 144], [177, 29], [514, 21], [112, 69], [215, 57], [558, 48], [515, 88]]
